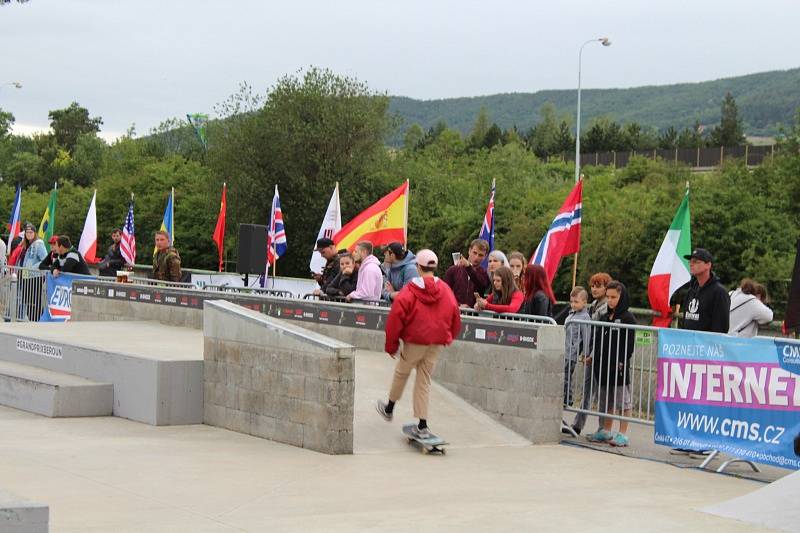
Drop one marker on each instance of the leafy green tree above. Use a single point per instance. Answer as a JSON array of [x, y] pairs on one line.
[[692, 137], [603, 135], [69, 123], [730, 131], [494, 136], [6, 121], [789, 139], [634, 137], [87, 159], [543, 138], [565, 141], [312, 131], [477, 136], [413, 137], [668, 139], [24, 168]]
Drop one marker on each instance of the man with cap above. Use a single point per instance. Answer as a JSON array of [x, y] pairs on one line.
[[426, 317], [400, 267], [706, 305], [327, 249]]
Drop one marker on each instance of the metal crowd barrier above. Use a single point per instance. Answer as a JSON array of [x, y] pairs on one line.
[[255, 291], [23, 293], [614, 374], [464, 311]]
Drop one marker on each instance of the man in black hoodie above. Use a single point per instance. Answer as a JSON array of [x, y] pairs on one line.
[[706, 306]]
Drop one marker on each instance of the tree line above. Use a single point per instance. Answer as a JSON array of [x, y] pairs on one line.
[[553, 135], [316, 128]]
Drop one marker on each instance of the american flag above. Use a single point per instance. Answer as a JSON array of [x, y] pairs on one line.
[[127, 245], [276, 235]]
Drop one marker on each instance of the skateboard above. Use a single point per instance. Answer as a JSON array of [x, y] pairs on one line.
[[432, 445]]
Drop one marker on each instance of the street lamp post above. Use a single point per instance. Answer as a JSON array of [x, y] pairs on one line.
[[605, 42]]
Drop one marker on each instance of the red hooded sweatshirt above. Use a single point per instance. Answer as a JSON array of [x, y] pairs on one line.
[[424, 312]]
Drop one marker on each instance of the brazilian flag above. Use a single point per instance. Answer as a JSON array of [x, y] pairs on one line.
[[48, 224]]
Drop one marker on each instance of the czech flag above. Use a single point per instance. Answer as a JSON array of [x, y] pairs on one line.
[[14, 224]]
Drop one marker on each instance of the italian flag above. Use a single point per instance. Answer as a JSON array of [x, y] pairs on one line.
[[671, 270]]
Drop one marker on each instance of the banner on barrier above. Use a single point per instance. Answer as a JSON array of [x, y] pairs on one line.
[[58, 307], [736, 395]]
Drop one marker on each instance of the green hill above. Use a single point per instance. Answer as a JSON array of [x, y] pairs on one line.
[[765, 101]]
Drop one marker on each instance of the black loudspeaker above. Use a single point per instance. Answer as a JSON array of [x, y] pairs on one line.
[[252, 249]]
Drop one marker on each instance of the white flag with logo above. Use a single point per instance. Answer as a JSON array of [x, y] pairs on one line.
[[330, 225]]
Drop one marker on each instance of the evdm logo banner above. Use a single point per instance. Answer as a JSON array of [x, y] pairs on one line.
[[59, 298], [60, 303]]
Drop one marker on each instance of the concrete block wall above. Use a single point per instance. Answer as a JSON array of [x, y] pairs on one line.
[[275, 380], [519, 387]]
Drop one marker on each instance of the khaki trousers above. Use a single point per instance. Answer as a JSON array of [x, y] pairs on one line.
[[423, 358]]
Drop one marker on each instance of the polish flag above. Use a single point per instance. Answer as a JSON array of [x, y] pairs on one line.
[[88, 244], [671, 270]]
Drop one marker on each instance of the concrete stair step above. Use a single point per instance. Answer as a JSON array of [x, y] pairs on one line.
[[20, 515], [53, 394]]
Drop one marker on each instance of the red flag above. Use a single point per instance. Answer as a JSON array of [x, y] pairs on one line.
[[219, 230]]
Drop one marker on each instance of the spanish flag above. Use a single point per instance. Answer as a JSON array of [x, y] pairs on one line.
[[383, 222]]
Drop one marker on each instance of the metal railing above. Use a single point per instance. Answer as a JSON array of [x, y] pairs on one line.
[[23, 293], [255, 291], [613, 372]]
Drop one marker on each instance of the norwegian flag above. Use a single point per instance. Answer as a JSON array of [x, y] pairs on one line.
[[487, 228], [127, 246], [563, 237], [276, 235]]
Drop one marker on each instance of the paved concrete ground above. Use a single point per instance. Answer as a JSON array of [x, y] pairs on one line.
[[111, 474], [642, 446], [451, 417]]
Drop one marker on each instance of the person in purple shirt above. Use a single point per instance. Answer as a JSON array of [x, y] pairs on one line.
[[467, 276], [370, 275]]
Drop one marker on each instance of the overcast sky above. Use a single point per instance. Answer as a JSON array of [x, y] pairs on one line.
[[145, 61]]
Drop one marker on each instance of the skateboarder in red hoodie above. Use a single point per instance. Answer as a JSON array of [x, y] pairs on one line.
[[426, 317]]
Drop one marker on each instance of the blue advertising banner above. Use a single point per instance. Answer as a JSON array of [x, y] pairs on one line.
[[58, 305], [736, 395]]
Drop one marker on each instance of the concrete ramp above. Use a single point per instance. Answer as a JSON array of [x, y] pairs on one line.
[[452, 418], [776, 506]]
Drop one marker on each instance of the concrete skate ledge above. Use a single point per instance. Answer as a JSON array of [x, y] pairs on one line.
[[237, 327], [275, 380], [20, 515]]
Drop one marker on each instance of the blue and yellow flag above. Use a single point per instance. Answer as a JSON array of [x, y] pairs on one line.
[[168, 222]]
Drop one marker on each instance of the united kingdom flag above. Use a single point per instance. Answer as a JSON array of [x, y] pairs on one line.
[[276, 235], [487, 228], [563, 237]]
